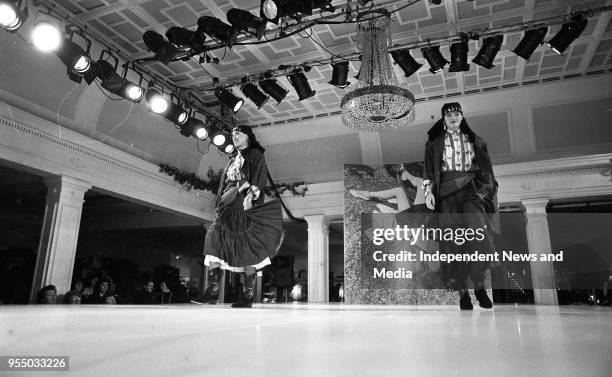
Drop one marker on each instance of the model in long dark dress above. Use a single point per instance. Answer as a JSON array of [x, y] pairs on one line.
[[247, 230]]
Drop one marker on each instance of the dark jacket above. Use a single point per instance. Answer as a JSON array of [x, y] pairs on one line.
[[486, 185], [255, 172]]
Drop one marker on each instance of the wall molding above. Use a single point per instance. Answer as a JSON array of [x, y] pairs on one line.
[[48, 149]]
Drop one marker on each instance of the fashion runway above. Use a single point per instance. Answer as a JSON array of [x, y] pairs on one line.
[[312, 340]]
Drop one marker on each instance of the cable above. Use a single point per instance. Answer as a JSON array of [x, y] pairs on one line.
[[198, 146]]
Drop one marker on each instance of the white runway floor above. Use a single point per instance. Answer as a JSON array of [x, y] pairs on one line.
[[312, 340]]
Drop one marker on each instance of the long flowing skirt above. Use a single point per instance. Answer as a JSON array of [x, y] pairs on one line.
[[239, 238]]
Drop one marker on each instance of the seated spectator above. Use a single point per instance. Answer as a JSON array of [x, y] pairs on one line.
[[72, 297], [110, 300], [101, 290], [145, 296], [88, 291], [165, 294], [47, 295]]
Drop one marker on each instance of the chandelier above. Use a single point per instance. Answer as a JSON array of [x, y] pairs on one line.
[[377, 103]]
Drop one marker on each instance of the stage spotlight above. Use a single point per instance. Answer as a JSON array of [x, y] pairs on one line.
[[243, 20], [273, 10], [532, 39], [216, 29], [488, 51], [111, 80], [406, 62], [75, 58], [434, 58], [194, 127], [252, 92], [228, 98], [46, 36], [133, 92], [175, 113], [183, 37], [227, 147], [340, 75], [11, 15], [300, 83], [568, 33], [459, 51], [157, 103], [219, 137], [164, 51], [273, 89]]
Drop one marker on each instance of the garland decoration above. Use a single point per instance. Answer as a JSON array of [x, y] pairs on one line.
[[297, 189], [190, 181]]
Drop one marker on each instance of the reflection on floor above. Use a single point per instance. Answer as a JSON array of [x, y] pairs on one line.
[[313, 340]]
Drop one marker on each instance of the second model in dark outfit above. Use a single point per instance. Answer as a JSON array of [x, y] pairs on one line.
[[246, 231], [461, 189]]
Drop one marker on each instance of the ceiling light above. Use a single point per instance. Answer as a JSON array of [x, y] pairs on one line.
[[11, 16], [532, 39], [488, 51], [228, 98], [273, 89], [217, 29], [340, 75], [300, 83], [164, 51], [459, 51], [252, 92], [434, 58], [243, 20], [568, 33], [46, 36], [406, 62]]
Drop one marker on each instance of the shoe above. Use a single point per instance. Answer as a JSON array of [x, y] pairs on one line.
[[465, 302], [211, 295], [365, 195], [245, 300], [483, 298]]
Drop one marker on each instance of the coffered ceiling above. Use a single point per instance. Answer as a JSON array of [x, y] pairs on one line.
[[123, 22]]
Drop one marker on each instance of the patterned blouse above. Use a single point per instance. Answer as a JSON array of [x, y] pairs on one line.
[[458, 152]]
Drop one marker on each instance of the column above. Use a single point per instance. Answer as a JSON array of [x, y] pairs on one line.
[[538, 241], [59, 235], [318, 258]]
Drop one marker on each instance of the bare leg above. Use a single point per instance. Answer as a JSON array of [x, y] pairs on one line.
[[397, 193]]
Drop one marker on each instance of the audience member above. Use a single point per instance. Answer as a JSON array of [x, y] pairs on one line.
[[145, 296], [72, 297], [165, 294], [47, 295], [101, 290]]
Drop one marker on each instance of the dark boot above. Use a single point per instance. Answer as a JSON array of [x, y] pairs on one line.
[[465, 302], [483, 298], [211, 295], [245, 299]]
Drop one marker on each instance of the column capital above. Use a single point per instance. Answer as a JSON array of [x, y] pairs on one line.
[[66, 188], [317, 221], [65, 181], [535, 206]]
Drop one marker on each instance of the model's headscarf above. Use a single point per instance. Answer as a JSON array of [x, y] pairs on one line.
[[253, 143]]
